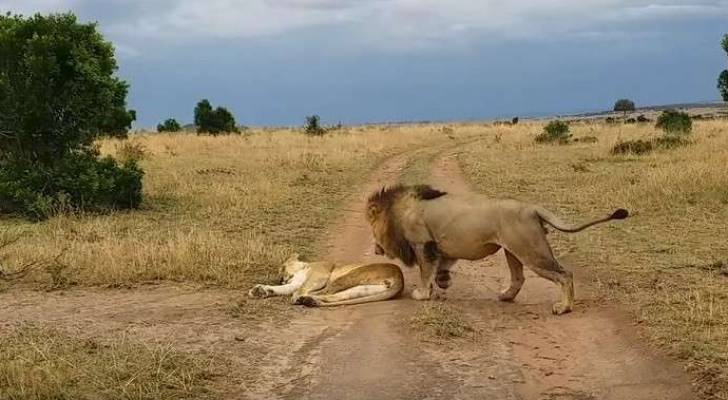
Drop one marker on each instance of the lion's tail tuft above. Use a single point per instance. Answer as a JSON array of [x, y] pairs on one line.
[[620, 213]]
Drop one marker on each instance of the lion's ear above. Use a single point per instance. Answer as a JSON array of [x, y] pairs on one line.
[[293, 258]]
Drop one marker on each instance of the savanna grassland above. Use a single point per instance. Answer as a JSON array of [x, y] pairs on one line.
[[221, 213], [669, 262], [218, 210]]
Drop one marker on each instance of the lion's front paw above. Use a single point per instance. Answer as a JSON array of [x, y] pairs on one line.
[[506, 295], [259, 292], [560, 308], [443, 279], [421, 294]]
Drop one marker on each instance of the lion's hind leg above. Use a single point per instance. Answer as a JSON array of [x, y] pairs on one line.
[[536, 254], [516, 268], [354, 295]]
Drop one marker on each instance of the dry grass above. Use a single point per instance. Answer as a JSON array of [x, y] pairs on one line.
[[664, 261], [217, 210], [41, 363], [439, 321]]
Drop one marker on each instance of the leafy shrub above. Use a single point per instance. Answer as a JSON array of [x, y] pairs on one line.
[[77, 182], [313, 126], [642, 118], [636, 147], [624, 105], [214, 122], [170, 125], [555, 132], [675, 122], [630, 121], [58, 93]]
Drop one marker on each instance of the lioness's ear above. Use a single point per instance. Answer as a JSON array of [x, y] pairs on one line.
[[373, 211], [293, 258]]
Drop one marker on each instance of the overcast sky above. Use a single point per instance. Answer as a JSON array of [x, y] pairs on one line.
[[274, 61]]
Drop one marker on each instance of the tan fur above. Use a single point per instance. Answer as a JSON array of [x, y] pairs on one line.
[[329, 284], [436, 229]]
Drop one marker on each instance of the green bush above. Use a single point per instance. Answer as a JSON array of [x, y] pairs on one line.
[[58, 94], [313, 126], [675, 122], [170, 125], [555, 132], [214, 122], [77, 182]]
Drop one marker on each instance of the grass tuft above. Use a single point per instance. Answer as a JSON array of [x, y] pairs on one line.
[[440, 321]]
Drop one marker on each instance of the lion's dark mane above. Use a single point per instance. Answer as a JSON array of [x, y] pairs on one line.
[[385, 199]]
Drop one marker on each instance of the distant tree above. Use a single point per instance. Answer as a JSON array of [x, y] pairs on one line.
[[224, 121], [313, 126], [58, 94], [214, 122], [170, 125], [514, 121], [723, 77], [624, 105]]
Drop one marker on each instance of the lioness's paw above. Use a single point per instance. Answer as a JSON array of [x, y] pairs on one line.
[[560, 308], [308, 301], [421, 294], [259, 292]]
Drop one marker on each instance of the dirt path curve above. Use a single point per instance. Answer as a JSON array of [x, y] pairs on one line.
[[522, 351]]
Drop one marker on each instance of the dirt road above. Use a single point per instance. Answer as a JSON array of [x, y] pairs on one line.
[[523, 352]]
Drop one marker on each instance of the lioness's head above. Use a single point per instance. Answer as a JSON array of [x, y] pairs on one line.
[[382, 215], [289, 268]]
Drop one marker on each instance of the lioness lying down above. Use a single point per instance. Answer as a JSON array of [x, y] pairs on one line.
[[321, 284], [418, 224]]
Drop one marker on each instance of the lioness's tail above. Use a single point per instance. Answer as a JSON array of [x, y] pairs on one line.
[[553, 220]]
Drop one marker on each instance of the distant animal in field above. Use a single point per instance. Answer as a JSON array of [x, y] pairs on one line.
[[434, 229], [323, 284]]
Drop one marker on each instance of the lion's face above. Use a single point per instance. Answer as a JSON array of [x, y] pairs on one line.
[[289, 268]]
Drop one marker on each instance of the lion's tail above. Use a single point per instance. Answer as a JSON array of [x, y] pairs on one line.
[[553, 220]]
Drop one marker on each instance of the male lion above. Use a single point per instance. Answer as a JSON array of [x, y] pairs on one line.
[[321, 284], [419, 224]]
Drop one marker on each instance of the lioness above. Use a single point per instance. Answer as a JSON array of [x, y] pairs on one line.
[[419, 224], [321, 284]]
